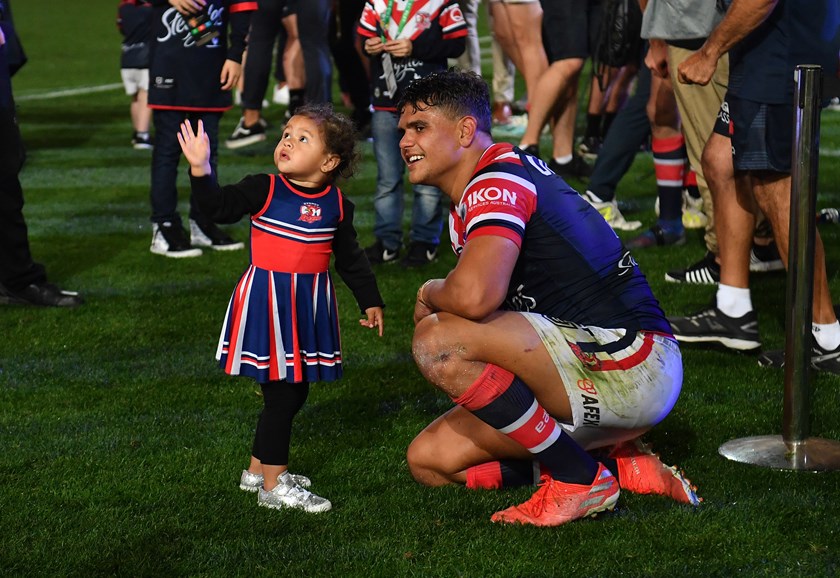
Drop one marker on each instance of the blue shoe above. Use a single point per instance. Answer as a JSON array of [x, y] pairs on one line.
[[657, 236]]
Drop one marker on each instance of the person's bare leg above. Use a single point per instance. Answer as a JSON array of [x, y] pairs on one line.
[[552, 86], [734, 211], [619, 87], [457, 440], [517, 28], [293, 66], [563, 133], [772, 192], [141, 114], [270, 475], [453, 353]]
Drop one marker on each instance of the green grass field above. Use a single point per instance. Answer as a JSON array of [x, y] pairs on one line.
[[121, 442]]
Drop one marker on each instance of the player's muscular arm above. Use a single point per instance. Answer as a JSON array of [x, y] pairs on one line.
[[477, 286]]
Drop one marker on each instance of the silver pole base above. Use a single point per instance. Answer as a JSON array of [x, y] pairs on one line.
[[813, 454]]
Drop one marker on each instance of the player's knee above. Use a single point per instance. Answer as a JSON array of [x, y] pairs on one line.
[[422, 464], [427, 343]]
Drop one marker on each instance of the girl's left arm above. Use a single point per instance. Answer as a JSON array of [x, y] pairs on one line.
[[352, 265]]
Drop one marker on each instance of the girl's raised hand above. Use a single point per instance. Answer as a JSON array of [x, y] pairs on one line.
[[196, 148]]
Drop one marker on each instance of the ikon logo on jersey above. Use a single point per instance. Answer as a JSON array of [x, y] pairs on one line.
[[489, 195], [310, 212]]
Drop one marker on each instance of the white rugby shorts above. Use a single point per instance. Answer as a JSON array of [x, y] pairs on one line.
[[619, 383]]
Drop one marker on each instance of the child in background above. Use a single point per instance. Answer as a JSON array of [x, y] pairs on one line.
[[405, 41], [281, 326], [134, 20], [197, 48]]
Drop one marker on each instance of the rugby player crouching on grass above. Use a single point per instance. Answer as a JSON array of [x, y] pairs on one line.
[[545, 334]]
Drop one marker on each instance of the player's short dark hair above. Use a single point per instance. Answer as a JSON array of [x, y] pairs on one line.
[[456, 92], [339, 135]]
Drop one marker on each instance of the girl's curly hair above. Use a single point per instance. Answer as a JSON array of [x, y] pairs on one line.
[[339, 136]]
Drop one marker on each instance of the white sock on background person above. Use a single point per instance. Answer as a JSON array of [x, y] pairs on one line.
[[734, 301]]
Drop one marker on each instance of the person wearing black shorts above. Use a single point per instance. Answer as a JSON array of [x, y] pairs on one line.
[[765, 42], [570, 32]]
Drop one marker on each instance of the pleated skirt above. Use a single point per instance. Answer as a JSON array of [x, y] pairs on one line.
[[282, 326]]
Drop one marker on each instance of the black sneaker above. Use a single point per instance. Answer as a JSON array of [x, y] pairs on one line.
[[829, 215], [821, 359], [577, 168], [657, 236], [706, 271], [765, 258], [141, 141], [419, 254], [377, 253], [40, 294], [243, 136], [209, 235], [170, 239], [589, 147], [713, 326], [533, 150]]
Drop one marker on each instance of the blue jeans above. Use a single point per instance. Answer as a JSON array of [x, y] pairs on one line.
[[426, 223], [627, 133], [313, 18]]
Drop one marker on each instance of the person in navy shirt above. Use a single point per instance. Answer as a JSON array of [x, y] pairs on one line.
[[195, 63], [545, 334]]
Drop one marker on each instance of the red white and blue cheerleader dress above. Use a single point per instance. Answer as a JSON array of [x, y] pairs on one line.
[[282, 319]]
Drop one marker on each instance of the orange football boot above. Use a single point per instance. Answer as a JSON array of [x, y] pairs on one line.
[[640, 471], [557, 502]]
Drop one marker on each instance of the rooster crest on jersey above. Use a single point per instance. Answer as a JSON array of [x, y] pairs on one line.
[[310, 212]]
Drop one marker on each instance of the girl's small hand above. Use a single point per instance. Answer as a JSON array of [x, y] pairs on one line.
[[374, 319], [196, 148]]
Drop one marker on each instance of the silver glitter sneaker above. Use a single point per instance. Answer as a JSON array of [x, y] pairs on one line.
[[287, 494], [253, 482]]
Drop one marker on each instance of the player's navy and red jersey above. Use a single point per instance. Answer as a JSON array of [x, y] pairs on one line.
[[185, 76], [571, 265], [437, 31]]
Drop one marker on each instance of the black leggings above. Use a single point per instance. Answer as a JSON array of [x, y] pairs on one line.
[[282, 400]]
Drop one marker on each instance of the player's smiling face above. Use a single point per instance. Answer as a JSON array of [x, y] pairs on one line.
[[428, 145], [301, 155]]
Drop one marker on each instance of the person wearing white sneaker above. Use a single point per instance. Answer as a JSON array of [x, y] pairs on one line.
[[754, 132], [252, 482], [281, 94], [609, 210], [192, 76], [267, 22], [299, 218], [286, 493]]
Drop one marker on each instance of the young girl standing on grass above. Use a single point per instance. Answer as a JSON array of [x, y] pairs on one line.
[[281, 326]]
